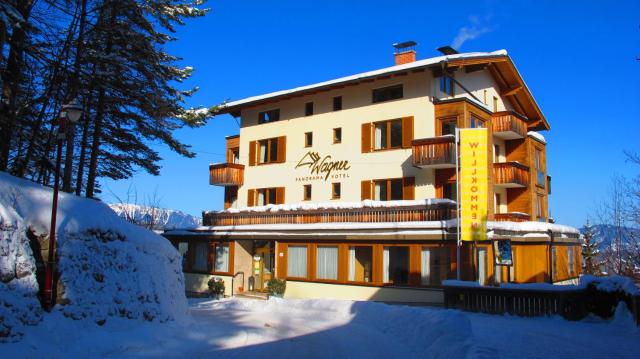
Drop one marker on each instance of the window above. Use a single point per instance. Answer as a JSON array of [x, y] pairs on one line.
[[221, 258], [269, 116], [337, 135], [307, 192], [200, 257], [308, 109], [477, 123], [337, 103], [268, 150], [266, 196], [537, 158], [327, 262], [539, 207], [395, 264], [183, 249], [297, 262], [335, 191], [570, 261], [449, 191], [495, 104], [388, 189], [388, 134], [387, 93], [435, 265], [308, 139], [446, 85], [497, 203], [449, 126], [361, 264]]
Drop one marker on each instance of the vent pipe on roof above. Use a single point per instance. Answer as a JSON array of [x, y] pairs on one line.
[[405, 52]]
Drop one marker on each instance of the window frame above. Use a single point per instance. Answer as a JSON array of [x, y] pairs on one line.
[[447, 85], [386, 93], [372, 281], [272, 144], [540, 171], [315, 263], [389, 186], [337, 135], [390, 282], [308, 252], [447, 264], [306, 197], [335, 185], [308, 109], [388, 124], [263, 116], [308, 139], [211, 256], [337, 103]]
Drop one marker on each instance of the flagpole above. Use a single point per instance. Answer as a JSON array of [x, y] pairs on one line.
[[458, 239]]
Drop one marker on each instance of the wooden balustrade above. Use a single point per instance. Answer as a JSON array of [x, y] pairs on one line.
[[512, 217], [510, 174], [509, 125], [436, 212], [226, 174], [434, 152]]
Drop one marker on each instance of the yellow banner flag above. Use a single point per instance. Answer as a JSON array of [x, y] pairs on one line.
[[474, 183]]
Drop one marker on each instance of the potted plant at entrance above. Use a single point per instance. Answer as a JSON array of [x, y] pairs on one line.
[[276, 287], [216, 287]]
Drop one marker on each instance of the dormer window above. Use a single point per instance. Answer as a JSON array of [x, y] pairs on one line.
[[269, 116]]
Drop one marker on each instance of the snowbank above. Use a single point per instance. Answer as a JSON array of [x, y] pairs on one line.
[[612, 283], [108, 267]]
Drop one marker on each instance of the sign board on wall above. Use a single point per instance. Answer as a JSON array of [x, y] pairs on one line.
[[322, 167], [474, 183]]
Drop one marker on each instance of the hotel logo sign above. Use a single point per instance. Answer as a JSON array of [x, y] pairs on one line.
[[474, 184], [322, 167]]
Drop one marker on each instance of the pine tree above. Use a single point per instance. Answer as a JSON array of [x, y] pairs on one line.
[[590, 251]]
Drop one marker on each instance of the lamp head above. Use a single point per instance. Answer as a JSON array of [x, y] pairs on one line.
[[73, 110]]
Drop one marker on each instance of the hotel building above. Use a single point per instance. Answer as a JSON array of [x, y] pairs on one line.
[[347, 188]]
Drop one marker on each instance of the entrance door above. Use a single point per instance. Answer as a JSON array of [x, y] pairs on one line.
[[482, 266], [263, 261]]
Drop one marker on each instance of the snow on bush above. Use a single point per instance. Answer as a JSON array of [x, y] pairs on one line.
[[19, 305], [614, 283], [109, 267]]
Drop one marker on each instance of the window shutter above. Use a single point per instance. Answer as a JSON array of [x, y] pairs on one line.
[[408, 188], [282, 149], [366, 137], [407, 131], [280, 195], [252, 152], [365, 190], [251, 198]]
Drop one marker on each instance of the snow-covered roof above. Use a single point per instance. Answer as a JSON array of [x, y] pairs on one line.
[[225, 108], [537, 136], [306, 206]]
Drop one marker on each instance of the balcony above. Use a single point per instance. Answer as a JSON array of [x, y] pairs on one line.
[[510, 175], [409, 213], [509, 125], [512, 217], [226, 174], [434, 152]]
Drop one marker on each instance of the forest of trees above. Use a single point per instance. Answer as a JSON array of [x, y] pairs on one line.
[[110, 56]]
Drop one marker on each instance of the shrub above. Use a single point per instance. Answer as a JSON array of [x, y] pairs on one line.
[[276, 287], [216, 286]]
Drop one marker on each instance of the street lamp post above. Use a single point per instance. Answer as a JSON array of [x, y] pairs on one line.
[[70, 112]]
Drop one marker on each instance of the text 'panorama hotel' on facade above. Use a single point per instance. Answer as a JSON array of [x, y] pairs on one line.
[[347, 188]]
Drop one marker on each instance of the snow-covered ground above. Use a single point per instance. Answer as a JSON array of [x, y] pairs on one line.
[[244, 328]]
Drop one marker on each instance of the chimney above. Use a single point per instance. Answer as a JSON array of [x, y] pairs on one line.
[[405, 52], [447, 50]]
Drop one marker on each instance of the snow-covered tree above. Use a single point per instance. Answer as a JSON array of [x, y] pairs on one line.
[[590, 251]]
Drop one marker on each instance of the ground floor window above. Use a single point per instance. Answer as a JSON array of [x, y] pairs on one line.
[[297, 262], [183, 248], [435, 265], [221, 258], [200, 257], [361, 264], [327, 262], [395, 265]]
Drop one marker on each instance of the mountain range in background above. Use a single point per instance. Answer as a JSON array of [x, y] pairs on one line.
[[605, 234], [155, 218]]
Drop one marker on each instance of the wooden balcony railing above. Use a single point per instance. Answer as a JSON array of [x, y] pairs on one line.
[[512, 217], [434, 152], [508, 125], [435, 212], [511, 174], [226, 174]]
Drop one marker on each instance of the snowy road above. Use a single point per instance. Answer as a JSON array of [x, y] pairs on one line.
[[324, 328]]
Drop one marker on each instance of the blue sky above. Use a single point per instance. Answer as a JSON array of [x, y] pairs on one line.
[[578, 59]]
